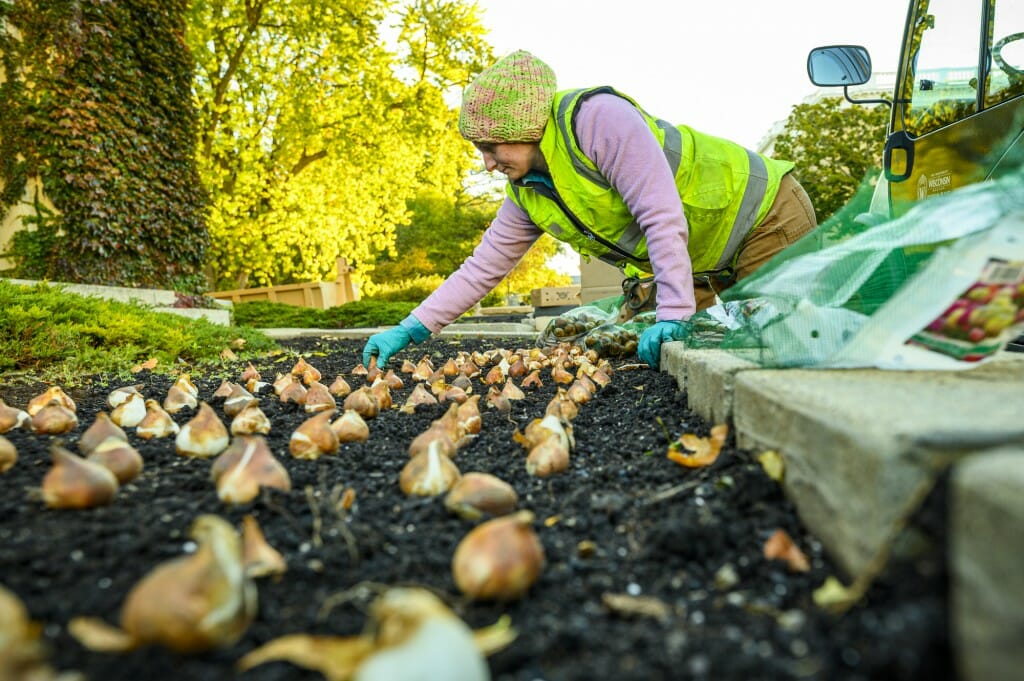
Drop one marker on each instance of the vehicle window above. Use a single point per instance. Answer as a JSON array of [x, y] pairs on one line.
[[946, 66], [1006, 50]]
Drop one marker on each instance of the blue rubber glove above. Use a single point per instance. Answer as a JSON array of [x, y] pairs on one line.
[[649, 347], [386, 343]]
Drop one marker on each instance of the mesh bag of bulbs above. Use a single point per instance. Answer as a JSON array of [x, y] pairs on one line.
[[598, 328]]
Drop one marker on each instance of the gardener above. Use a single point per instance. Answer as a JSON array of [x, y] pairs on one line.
[[593, 169]]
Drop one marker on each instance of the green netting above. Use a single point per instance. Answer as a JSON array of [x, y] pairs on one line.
[[860, 292]]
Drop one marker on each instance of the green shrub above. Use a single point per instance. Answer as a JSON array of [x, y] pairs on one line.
[[62, 336], [358, 314], [411, 289]]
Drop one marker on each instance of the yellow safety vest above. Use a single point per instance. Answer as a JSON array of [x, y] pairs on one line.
[[726, 190]]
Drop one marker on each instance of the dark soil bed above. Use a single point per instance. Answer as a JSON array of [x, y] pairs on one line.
[[691, 539]]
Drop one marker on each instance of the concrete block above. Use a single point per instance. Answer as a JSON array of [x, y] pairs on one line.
[[987, 565], [858, 444], [710, 375], [673, 361]]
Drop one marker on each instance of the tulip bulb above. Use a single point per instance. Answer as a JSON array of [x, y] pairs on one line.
[[562, 406], [512, 392], [246, 466], [364, 402], [101, 429], [224, 389], [119, 457], [350, 427], [54, 419], [476, 494], [23, 654], [156, 423], [12, 417], [53, 395], [547, 458], [306, 371], [469, 416], [393, 380], [340, 387], [250, 420], [204, 436], [281, 382], [178, 398], [496, 400], [578, 392], [532, 380], [250, 373], [238, 399], [499, 559], [293, 392], [189, 604], [424, 370], [318, 398], [382, 392], [437, 433], [429, 473], [419, 395], [119, 395], [130, 412], [314, 438], [73, 482], [8, 455], [260, 558]]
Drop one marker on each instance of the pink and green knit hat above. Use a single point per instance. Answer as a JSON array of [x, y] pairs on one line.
[[510, 101]]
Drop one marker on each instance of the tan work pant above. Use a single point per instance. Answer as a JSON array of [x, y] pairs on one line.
[[790, 217]]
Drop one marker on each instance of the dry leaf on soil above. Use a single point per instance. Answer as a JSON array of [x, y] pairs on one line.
[[702, 451], [780, 546]]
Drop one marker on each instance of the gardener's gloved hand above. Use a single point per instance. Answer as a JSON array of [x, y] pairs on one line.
[[386, 343], [649, 347]]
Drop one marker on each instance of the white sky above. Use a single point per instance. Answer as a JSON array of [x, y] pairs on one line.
[[730, 68]]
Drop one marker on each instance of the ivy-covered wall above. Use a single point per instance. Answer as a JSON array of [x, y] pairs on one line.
[[97, 102]]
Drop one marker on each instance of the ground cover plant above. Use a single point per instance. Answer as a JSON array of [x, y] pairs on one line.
[[652, 571]]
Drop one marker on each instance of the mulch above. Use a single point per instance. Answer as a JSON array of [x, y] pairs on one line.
[[689, 538]]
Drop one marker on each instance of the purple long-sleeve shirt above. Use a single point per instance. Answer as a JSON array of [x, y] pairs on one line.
[[613, 134]]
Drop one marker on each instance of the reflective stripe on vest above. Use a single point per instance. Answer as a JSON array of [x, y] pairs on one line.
[[757, 185]]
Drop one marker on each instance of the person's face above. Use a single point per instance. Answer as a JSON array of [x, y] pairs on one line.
[[514, 159]]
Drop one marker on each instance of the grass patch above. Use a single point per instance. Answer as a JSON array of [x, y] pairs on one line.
[[59, 336]]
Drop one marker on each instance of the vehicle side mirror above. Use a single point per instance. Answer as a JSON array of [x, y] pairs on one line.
[[839, 65]]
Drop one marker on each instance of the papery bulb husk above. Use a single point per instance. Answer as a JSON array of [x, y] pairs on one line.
[[578, 392], [548, 458], [364, 402], [560, 375], [246, 466], [454, 394], [359, 370], [156, 423], [499, 559], [393, 380], [477, 494], [464, 383], [54, 419], [184, 382], [495, 400], [587, 383], [428, 474], [260, 558], [119, 457], [494, 376], [73, 482], [382, 392], [129, 413], [469, 416], [532, 380], [600, 377], [350, 427], [178, 399], [539, 430], [250, 420], [318, 398], [239, 399], [101, 429], [204, 436], [469, 369], [512, 392], [424, 370], [408, 366], [12, 417], [250, 373], [119, 395], [53, 394], [562, 406], [8, 454], [340, 387], [450, 369], [437, 432], [419, 395], [314, 438], [294, 392], [281, 382], [223, 390], [189, 604]]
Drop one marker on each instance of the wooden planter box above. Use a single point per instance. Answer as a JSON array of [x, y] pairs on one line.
[[318, 294]]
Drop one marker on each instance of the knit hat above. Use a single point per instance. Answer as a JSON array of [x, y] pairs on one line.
[[510, 101]]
